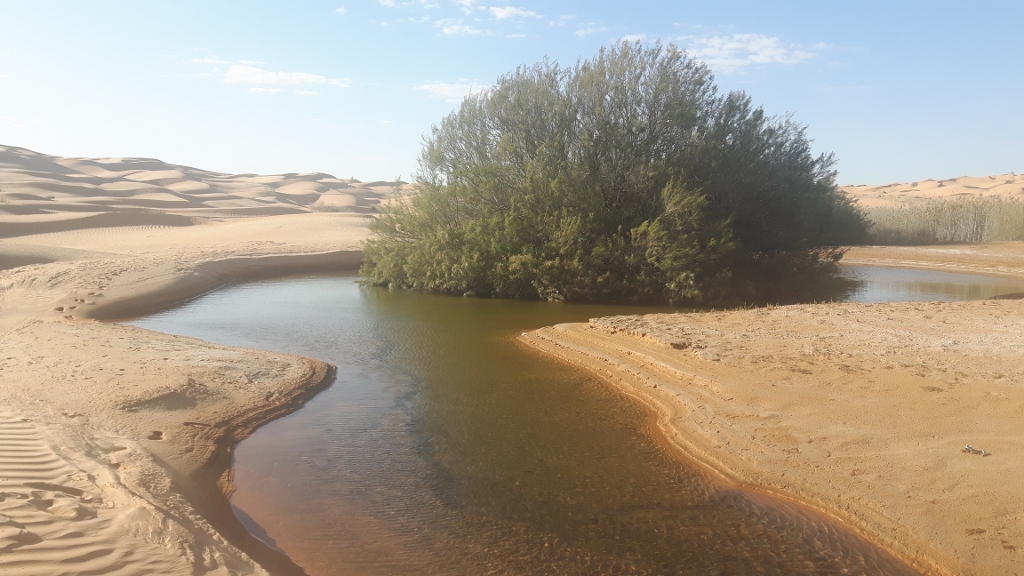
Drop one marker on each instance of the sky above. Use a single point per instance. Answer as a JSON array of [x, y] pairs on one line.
[[898, 90]]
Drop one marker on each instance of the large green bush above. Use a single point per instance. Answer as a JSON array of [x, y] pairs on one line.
[[623, 178]]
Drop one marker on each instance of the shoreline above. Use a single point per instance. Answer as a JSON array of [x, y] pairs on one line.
[[212, 483], [683, 444], [798, 402], [211, 275], [140, 425], [998, 259]]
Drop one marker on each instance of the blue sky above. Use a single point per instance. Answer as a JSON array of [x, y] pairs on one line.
[[898, 90]]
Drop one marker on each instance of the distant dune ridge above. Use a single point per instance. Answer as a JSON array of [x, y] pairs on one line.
[[51, 193], [41, 193], [909, 193]]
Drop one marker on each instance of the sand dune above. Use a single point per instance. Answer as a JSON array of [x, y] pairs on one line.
[[61, 222], [115, 442], [34, 183], [909, 193]]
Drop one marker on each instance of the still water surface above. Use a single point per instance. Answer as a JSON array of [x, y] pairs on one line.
[[881, 284], [445, 447]]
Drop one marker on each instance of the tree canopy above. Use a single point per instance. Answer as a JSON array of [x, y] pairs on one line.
[[626, 177]]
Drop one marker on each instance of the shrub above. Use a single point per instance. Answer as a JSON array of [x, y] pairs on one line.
[[624, 178]]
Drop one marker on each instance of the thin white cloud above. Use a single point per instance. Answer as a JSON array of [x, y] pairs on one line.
[[634, 38], [468, 17], [340, 10], [452, 27], [733, 52], [467, 5], [517, 35], [590, 29], [511, 12], [451, 91], [245, 73]]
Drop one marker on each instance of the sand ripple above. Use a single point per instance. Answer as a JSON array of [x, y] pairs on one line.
[[57, 517]]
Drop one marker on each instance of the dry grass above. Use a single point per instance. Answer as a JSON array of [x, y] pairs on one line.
[[944, 221]]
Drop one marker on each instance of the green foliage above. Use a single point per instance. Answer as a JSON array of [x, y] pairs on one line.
[[943, 221], [624, 178]]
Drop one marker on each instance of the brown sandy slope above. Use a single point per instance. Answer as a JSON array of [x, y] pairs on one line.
[[114, 441], [909, 193], [860, 410]]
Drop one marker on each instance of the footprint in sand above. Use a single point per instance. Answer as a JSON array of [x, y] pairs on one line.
[[14, 535], [60, 506], [116, 456]]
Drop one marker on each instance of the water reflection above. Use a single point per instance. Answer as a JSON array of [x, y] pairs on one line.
[[883, 284], [444, 447]]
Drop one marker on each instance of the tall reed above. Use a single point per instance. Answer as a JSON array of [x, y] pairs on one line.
[[972, 219]]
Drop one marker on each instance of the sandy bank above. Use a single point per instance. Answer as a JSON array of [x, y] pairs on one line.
[[860, 410], [115, 442], [1004, 259]]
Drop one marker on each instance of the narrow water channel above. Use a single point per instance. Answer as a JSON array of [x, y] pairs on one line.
[[882, 284], [445, 447]]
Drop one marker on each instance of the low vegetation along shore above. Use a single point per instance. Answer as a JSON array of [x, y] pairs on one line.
[[115, 441]]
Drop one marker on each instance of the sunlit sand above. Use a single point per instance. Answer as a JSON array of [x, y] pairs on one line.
[[115, 441]]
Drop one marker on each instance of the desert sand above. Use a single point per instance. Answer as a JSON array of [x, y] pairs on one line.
[[115, 442], [861, 411], [910, 193]]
